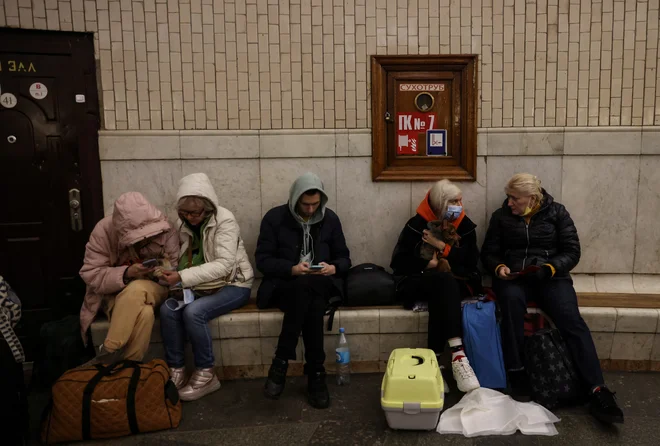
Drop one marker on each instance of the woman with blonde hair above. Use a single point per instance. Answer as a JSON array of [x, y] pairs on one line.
[[532, 229], [436, 280], [216, 277]]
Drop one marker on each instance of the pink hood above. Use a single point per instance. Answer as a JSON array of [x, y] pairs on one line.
[[135, 219], [107, 253]]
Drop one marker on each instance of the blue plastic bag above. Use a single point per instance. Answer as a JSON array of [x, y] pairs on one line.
[[483, 345]]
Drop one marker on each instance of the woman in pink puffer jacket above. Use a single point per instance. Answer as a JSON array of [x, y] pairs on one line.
[[118, 283]]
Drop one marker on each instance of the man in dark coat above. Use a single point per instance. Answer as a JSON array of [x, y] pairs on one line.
[[302, 253], [533, 230]]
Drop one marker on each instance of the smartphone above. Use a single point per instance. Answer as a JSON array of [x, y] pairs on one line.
[[150, 263], [316, 267]]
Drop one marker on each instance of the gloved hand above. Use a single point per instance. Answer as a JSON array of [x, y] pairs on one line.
[[542, 275]]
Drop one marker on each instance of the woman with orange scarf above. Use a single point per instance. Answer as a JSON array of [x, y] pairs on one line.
[[431, 280]]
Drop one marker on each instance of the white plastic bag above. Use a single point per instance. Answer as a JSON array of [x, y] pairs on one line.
[[489, 412]]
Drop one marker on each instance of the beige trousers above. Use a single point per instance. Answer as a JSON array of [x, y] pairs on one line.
[[131, 315]]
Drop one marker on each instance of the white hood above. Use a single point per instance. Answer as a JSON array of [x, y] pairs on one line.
[[197, 185]]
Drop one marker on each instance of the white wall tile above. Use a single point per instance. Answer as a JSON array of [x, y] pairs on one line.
[[603, 343], [194, 145], [599, 318], [297, 146], [525, 142], [157, 180], [236, 183], [636, 320], [614, 283], [139, 147], [633, 346], [647, 233], [602, 213], [372, 214], [603, 142]]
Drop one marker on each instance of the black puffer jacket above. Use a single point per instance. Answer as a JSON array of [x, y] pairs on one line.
[[550, 237]]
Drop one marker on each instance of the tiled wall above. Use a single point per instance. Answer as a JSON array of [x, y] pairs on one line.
[[269, 64], [608, 178]]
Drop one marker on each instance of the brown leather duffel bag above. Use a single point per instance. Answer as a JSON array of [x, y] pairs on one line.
[[111, 401]]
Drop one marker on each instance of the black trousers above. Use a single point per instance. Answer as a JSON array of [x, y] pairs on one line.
[[558, 300], [442, 291], [303, 301]]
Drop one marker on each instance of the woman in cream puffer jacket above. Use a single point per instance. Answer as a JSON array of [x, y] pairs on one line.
[[216, 277]]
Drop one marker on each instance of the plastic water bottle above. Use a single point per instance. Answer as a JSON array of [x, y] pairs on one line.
[[343, 360]]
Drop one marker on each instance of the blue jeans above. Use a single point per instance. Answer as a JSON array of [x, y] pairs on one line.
[[192, 321]]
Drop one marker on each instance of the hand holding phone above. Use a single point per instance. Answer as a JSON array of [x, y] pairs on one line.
[[151, 263], [316, 267]]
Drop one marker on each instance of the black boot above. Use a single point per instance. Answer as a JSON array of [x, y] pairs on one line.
[[604, 408], [276, 379], [317, 390]]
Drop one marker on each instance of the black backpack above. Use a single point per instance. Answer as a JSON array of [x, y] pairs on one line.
[[61, 348], [369, 285], [550, 369]]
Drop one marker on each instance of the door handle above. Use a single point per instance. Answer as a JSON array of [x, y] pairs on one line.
[[75, 210]]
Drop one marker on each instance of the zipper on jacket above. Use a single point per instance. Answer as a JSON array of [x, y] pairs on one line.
[[526, 247]]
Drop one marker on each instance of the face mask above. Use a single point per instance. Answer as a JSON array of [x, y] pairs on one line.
[[453, 212]]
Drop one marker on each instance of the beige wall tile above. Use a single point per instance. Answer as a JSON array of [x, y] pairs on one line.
[[604, 61]]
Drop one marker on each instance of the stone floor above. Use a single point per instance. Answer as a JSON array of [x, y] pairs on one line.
[[239, 415]]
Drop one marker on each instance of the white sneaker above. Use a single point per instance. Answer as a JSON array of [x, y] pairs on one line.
[[464, 375]]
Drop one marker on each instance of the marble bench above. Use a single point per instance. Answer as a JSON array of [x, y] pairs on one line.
[[622, 312]]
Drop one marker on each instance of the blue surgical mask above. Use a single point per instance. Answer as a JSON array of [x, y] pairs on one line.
[[453, 212]]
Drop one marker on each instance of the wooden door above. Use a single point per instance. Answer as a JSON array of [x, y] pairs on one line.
[[49, 170], [424, 117]]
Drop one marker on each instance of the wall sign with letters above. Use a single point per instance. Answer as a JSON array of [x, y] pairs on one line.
[[409, 126], [21, 66], [436, 142], [421, 87]]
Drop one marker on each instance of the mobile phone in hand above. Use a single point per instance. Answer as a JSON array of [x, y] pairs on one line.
[[316, 267], [150, 263]]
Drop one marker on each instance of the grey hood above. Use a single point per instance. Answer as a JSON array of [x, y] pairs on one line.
[[305, 182]]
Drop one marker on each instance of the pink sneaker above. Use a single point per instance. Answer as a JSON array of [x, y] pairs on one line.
[[178, 377], [202, 382]]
